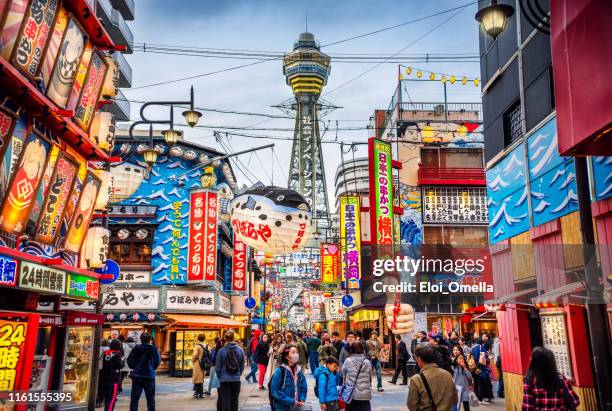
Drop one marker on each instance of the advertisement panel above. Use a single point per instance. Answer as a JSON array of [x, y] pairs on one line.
[[330, 255], [42, 189], [132, 299], [190, 300], [7, 122], [79, 77], [210, 243], [82, 216], [381, 194], [88, 100], [350, 238], [197, 237], [8, 271], [55, 41], [12, 24], [334, 311], [41, 278], [554, 337], [73, 201], [82, 286], [55, 202], [239, 262], [13, 145], [12, 346]]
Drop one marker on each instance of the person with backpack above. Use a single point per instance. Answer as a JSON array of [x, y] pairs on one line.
[[143, 361], [326, 388], [432, 388], [112, 362], [229, 366], [356, 390], [313, 343], [128, 345], [483, 385], [201, 364], [288, 388]]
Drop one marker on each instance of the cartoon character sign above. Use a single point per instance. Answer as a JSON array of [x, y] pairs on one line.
[[82, 216], [225, 198], [271, 219]]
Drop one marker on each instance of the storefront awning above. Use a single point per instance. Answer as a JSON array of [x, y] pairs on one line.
[[496, 303], [214, 321], [551, 298]]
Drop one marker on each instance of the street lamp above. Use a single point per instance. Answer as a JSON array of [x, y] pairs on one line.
[[150, 154], [494, 18]]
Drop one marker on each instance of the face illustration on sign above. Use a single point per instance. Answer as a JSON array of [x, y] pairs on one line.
[[67, 64], [82, 216]]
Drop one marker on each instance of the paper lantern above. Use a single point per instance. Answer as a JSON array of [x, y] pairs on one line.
[[110, 317], [400, 318], [106, 189], [135, 316], [274, 316], [408, 70], [103, 130], [272, 219], [126, 180], [111, 79], [95, 247], [122, 317], [151, 317]]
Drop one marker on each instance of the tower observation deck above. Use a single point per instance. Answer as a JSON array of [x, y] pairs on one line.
[[306, 69]]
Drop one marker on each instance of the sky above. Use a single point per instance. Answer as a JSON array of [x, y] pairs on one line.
[[273, 25]]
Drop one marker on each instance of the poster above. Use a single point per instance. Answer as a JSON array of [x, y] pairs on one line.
[[334, 311], [132, 299], [554, 337], [225, 305], [82, 216], [8, 271], [189, 300], [66, 64], [330, 254], [56, 198], [197, 238], [463, 205], [239, 266], [12, 338], [24, 185], [55, 41], [35, 31], [350, 237], [381, 194], [88, 100], [12, 25], [41, 278]]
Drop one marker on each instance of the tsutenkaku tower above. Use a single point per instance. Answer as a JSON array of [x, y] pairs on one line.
[[306, 69]]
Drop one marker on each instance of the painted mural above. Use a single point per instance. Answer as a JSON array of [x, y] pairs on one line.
[[166, 185], [411, 222], [507, 196], [602, 176], [449, 134]]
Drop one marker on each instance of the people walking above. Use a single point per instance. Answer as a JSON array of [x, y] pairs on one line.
[[251, 346], [201, 364], [229, 365], [213, 380], [483, 386], [351, 337], [337, 343], [104, 346], [462, 378], [278, 346], [326, 350], [313, 343], [402, 359], [374, 346], [288, 388], [261, 356], [432, 388], [128, 345], [545, 389], [326, 388], [143, 361], [112, 363], [303, 350], [357, 376]]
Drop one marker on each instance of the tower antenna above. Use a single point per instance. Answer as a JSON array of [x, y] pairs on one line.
[[306, 22]]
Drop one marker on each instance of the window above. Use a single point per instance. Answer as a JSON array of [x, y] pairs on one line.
[[513, 124], [130, 253]]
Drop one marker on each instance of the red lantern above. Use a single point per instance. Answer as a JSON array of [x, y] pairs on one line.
[[109, 317], [135, 316], [122, 317], [151, 316]]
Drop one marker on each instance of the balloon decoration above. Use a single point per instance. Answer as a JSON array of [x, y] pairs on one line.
[[400, 318], [95, 247], [106, 189], [271, 219]]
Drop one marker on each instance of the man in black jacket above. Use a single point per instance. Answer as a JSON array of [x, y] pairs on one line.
[[402, 359], [112, 362], [143, 361]]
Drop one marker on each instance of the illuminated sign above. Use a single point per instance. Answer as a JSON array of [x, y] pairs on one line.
[[41, 278], [197, 237], [381, 196], [239, 266], [330, 254], [82, 286], [8, 271], [350, 236], [12, 338], [84, 211], [88, 100], [210, 243]]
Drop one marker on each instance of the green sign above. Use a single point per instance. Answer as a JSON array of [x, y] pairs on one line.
[[380, 158], [83, 286]]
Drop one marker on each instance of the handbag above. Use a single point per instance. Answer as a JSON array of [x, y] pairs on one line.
[[473, 400], [346, 392]]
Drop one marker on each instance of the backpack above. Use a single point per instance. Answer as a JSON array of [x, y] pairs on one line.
[[316, 386], [283, 372], [231, 361], [204, 361]]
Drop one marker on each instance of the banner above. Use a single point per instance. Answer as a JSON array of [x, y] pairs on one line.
[[350, 237], [330, 254], [12, 349], [79, 77], [381, 192], [82, 286], [189, 300], [60, 186], [239, 262], [88, 100], [210, 244], [82, 215], [197, 237], [55, 41]]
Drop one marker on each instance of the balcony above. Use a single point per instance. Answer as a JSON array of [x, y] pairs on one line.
[[120, 107], [125, 70], [451, 176], [115, 24], [125, 7], [462, 112]]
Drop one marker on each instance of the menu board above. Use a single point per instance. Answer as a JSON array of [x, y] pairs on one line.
[[455, 205], [554, 336]]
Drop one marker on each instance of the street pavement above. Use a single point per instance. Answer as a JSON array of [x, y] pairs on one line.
[[176, 394]]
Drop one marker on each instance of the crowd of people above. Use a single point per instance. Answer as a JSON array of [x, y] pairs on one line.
[[449, 372]]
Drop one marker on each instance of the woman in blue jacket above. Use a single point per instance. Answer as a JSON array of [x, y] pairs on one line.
[[327, 384], [288, 386]]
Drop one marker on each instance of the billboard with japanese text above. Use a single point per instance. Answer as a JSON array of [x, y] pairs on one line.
[[239, 266], [350, 240], [381, 192]]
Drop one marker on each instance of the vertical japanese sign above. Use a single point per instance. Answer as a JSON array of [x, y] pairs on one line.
[[197, 234], [330, 254], [56, 199], [239, 261], [32, 42], [210, 245], [350, 237], [7, 122], [175, 246], [90, 93], [12, 347], [381, 194], [82, 215]]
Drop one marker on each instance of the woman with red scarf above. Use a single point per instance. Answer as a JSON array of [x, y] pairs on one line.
[[112, 363]]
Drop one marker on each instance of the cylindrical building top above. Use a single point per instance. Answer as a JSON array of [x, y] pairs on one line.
[[306, 68]]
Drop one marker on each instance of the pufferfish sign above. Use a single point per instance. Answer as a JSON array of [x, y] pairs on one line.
[[271, 219]]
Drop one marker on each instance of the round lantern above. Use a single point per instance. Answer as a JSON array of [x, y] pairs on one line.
[[95, 247], [151, 317], [272, 219], [102, 130], [111, 79], [122, 317], [274, 315], [400, 318], [135, 316], [126, 180], [106, 189], [109, 317], [190, 155]]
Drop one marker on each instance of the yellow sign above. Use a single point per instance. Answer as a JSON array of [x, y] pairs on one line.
[[12, 337], [366, 315]]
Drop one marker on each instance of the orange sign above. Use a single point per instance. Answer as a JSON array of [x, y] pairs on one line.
[[82, 215]]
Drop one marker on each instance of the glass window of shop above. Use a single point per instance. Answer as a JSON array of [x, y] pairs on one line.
[[77, 363], [185, 343]]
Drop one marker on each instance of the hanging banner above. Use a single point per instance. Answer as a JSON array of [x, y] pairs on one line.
[[12, 349], [12, 21], [24, 186], [55, 41], [239, 266], [197, 237], [14, 144], [88, 100], [381, 192], [350, 235], [73, 201], [79, 77], [330, 254], [42, 189], [32, 41], [56, 199], [82, 216], [210, 243], [7, 122]]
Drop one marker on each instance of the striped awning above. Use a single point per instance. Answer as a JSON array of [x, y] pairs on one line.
[[497, 304], [551, 298]]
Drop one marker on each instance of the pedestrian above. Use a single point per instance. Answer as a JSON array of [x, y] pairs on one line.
[[278, 346], [326, 388], [229, 365], [313, 343], [453, 339], [500, 386], [104, 346], [464, 347], [402, 359], [251, 346], [484, 387], [419, 338], [213, 380], [201, 364], [127, 349], [326, 350], [303, 350], [357, 373], [374, 346], [351, 337], [462, 378], [432, 388], [337, 343], [455, 352], [261, 356], [143, 361], [112, 362], [545, 389], [288, 388]]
